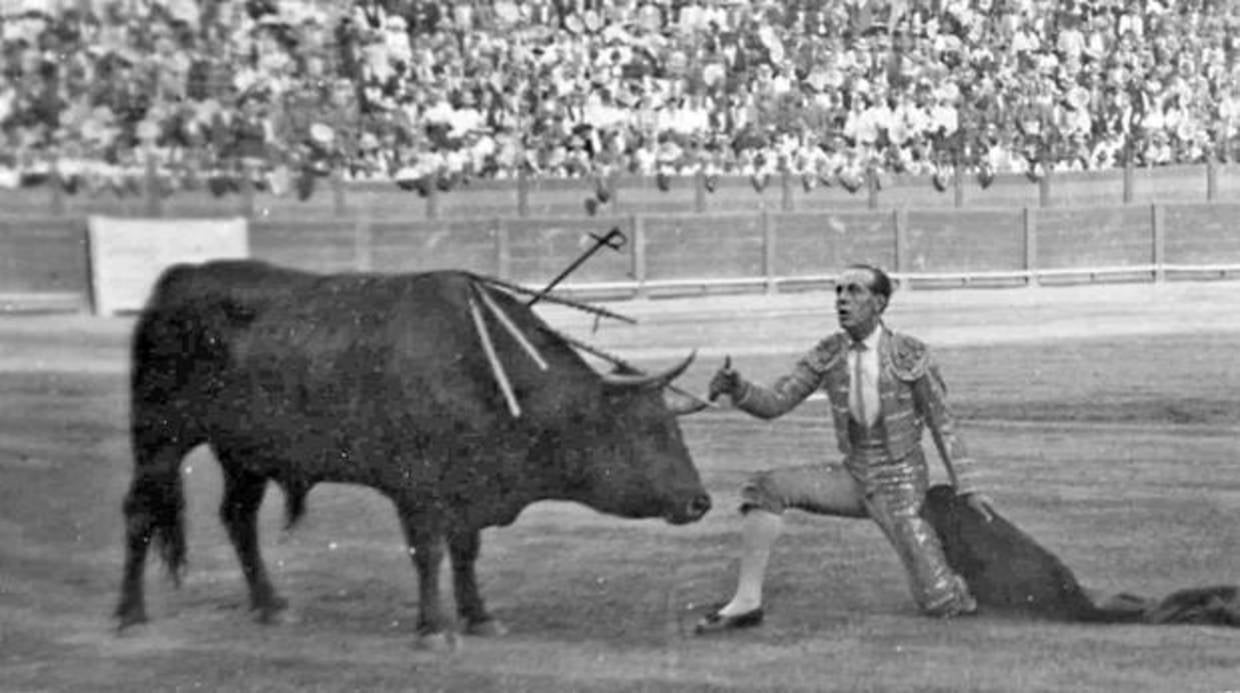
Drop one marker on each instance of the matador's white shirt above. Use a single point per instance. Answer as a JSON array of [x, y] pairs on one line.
[[865, 392]]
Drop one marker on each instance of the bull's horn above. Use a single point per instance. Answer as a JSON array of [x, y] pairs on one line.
[[682, 403], [651, 380]]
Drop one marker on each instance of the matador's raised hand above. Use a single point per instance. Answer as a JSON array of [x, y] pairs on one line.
[[725, 381]]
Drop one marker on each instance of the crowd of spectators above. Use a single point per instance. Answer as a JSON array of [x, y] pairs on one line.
[[423, 92]]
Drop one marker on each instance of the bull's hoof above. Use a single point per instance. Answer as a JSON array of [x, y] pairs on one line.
[[274, 612], [128, 618], [489, 628], [278, 617], [439, 641]]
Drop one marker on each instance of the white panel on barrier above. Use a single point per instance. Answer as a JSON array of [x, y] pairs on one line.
[[128, 255]]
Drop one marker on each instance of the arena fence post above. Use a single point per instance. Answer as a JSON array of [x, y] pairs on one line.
[[899, 229], [613, 186], [1044, 187], [637, 256], [786, 201], [363, 241], [246, 203], [154, 206], [871, 183], [1158, 240], [958, 185], [1029, 218], [769, 239], [56, 199], [432, 201], [503, 248], [699, 191], [1211, 178], [1128, 180], [340, 202], [523, 193]]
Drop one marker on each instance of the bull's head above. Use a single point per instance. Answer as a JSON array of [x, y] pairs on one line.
[[636, 463]]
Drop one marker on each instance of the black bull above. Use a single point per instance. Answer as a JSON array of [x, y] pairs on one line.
[[1011, 574], [381, 380]]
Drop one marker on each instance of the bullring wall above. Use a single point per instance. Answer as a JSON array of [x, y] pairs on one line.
[[45, 259], [684, 251]]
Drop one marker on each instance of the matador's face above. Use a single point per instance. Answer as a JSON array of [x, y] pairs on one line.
[[857, 306]]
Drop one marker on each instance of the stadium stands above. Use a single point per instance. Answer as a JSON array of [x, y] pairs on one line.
[[435, 93]]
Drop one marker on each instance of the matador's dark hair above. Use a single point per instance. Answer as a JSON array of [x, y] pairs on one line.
[[881, 284]]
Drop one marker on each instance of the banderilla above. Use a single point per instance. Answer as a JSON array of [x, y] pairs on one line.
[[614, 239]]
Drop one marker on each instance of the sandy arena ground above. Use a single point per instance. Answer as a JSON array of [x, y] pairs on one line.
[[1106, 417]]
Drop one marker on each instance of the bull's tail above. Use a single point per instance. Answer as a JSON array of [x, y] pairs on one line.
[[169, 363], [154, 514], [155, 509], [162, 433]]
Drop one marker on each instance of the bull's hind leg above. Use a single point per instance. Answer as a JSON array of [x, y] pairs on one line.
[[153, 508], [243, 493], [425, 539], [464, 548]]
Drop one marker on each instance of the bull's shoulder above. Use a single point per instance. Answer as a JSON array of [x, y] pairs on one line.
[[910, 357]]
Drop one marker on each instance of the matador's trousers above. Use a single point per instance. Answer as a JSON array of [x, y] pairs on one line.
[[890, 492]]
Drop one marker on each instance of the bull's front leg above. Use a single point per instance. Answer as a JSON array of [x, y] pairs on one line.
[[464, 547], [425, 538], [243, 494]]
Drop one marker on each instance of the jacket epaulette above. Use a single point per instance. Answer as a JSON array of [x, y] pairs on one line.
[[910, 357], [827, 352]]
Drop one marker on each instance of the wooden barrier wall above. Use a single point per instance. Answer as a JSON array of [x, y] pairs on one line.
[[679, 253], [675, 253], [44, 262]]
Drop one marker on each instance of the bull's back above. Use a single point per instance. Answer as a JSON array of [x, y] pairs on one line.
[[351, 370], [407, 341], [181, 339], [343, 326]]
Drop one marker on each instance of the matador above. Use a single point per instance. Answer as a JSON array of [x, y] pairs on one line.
[[884, 390]]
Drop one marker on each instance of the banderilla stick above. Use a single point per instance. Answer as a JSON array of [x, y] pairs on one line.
[[497, 368], [507, 323], [552, 298], [614, 240]]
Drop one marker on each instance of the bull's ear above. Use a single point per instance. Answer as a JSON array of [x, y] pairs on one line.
[[652, 381], [683, 404]]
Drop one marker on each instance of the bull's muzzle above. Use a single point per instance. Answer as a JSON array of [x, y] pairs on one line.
[[692, 511]]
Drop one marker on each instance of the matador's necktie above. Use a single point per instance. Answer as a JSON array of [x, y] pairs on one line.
[[861, 399]]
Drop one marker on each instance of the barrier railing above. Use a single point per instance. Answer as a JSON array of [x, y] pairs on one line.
[[712, 252], [772, 251]]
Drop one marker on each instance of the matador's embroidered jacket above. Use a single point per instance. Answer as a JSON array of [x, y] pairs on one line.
[[911, 396]]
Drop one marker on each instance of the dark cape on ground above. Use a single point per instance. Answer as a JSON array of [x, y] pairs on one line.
[[1011, 574]]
